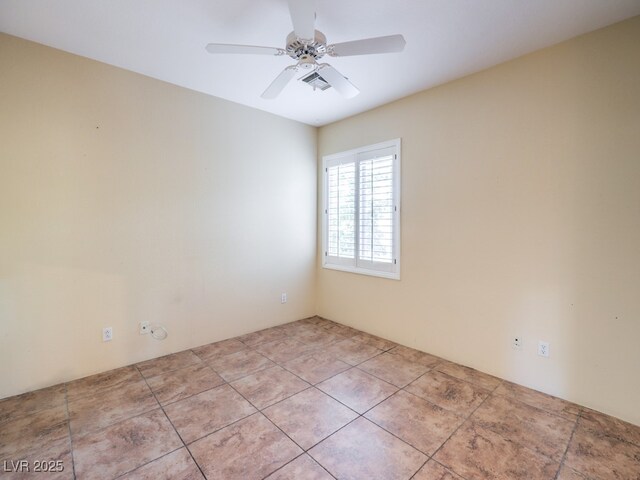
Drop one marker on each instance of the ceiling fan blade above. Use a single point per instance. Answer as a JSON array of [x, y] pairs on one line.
[[334, 78], [303, 17], [388, 44], [250, 49], [279, 83]]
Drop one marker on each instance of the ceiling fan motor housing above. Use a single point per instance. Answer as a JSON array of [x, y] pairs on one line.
[[300, 49]]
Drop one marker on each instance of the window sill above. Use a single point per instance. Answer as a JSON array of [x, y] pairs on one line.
[[363, 271]]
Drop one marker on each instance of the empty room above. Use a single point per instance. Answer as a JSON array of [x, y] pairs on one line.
[[320, 239]]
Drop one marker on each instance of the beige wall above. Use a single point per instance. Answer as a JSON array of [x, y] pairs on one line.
[[520, 216], [125, 199]]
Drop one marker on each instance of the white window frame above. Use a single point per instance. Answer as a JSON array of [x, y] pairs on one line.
[[376, 269]]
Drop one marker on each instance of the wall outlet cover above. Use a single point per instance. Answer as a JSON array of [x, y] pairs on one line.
[[543, 348], [107, 334]]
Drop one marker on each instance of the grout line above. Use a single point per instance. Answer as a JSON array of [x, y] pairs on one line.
[[460, 426], [221, 428], [282, 431], [421, 467], [522, 445], [191, 395], [331, 435], [213, 431], [304, 451], [522, 402], [266, 367], [137, 365], [294, 459], [147, 463], [444, 466], [101, 429], [387, 381], [491, 390], [305, 381], [66, 404], [172, 426], [566, 450], [453, 412]]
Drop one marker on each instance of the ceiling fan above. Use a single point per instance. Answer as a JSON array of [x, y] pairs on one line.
[[307, 45]]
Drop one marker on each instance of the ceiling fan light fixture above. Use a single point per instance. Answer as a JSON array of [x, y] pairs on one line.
[[307, 62]]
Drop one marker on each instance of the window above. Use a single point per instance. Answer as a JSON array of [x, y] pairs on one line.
[[361, 199]]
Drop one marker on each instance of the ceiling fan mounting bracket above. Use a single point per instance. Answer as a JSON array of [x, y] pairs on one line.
[[298, 48]]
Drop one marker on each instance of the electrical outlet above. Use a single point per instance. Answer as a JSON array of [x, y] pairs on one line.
[[543, 348], [145, 328], [517, 343], [107, 334], [283, 298]]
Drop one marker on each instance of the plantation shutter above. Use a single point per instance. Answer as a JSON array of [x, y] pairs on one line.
[[376, 209], [341, 211], [361, 225]]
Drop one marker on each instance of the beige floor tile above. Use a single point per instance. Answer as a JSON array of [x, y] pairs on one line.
[[31, 402], [601, 456], [321, 322], [376, 342], [102, 382], [448, 392], [122, 447], [269, 386], [180, 384], [352, 352], [567, 473], [528, 426], [281, 351], [94, 412], [393, 369], [263, 336], [50, 451], [302, 468], [344, 331], [364, 450], [434, 471], [249, 449], [316, 367], [610, 426], [309, 416], [176, 465], [289, 329], [320, 339], [470, 375], [540, 400], [416, 356], [240, 364], [477, 453], [421, 424], [165, 364], [357, 390], [207, 412], [219, 349], [33, 433], [300, 331]]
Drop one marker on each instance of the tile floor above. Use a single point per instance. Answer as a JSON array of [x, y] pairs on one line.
[[309, 400]]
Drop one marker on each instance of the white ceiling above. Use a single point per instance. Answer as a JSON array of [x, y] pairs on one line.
[[446, 39]]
